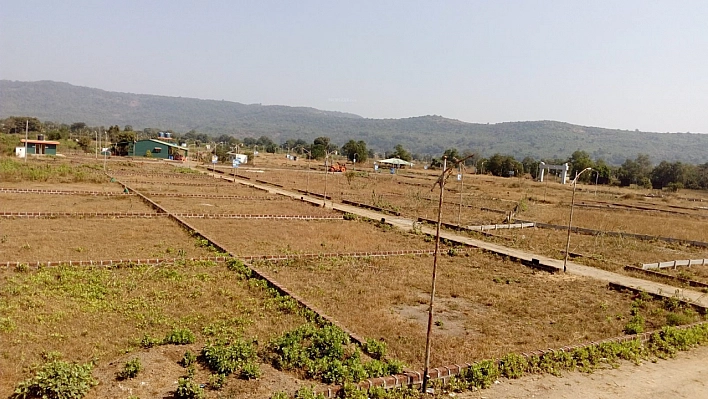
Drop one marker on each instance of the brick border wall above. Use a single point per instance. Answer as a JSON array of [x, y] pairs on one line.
[[178, 183], [60, 192], [621, 287], [143, 215], [692, 283], [154, 261], [643, 237], [415, 378], [217, 196]]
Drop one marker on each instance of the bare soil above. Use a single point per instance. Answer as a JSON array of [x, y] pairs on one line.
[[12, 202], [64, 239], [487, 306], [276, 206], [270, 237], [683, 377]]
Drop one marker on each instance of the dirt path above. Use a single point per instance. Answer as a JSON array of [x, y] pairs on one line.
[[685, 376]]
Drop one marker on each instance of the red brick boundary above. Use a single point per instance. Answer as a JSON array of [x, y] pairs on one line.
[[444, 373], [156, 261], [145, 215], [239, 197], [60, 192]]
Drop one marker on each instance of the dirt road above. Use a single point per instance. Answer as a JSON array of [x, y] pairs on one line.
[[685, 376]]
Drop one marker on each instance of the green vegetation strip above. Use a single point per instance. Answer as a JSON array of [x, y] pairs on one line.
[[661, 344]]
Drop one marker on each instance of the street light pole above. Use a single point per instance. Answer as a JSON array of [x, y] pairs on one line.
[[324, 197], [428, 339], [570, 220]]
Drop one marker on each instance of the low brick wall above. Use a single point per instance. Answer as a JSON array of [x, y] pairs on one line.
[[171, 183], [643, 237], [372, 207], [60, 192], [216, 196], [444, 373], [692, 283], [621, 287], [109, 262], [145, 215]]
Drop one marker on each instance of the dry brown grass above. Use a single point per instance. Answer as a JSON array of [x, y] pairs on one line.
[[277, 206], [29, 240], [486, 308], [604, 252], [16, 202], [269, 237]]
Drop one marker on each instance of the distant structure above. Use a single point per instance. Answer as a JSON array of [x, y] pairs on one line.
[[155, 149], [563, 168], [38, 147]]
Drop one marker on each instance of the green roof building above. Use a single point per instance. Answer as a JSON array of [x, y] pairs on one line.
[[156, 149]]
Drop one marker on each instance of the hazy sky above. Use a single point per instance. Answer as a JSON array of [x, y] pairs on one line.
[[616, 64]]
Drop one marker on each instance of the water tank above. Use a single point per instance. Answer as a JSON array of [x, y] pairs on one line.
[[168, 135], [161, 134], [40, 137]]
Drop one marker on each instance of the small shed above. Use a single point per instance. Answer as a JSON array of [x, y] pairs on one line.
[[157, 149], [41, 147]]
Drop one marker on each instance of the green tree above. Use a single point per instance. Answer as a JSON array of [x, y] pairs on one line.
[[356, 149], [452, 154], [579, 161], [400, 152], [636, 171], [78, 126]]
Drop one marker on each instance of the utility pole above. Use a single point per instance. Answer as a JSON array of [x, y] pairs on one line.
[[441, 181], [26, 138]]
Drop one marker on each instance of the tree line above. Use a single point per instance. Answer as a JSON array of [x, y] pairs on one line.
[[639, 171]]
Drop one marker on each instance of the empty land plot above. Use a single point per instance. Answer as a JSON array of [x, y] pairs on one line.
[[22, 202], [271, 237], [485, 306], [276, 205], [33, 240], [100, 314], [222, 188], [605, 252], [638, 222], [47, 186]]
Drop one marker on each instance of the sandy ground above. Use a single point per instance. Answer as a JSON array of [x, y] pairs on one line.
[[685, 376]]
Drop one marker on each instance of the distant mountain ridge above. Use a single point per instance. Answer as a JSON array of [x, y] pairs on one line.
[[66, 103]]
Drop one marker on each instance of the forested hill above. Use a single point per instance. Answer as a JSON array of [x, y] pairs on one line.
[[62, 102]]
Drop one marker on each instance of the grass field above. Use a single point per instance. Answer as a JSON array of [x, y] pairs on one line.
[[486, 306]]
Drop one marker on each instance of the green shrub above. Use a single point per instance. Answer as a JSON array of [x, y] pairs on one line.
[[188, 389], [635, 325], [250, 371], [375, 348], [307, 393], [236, 265], [482, 374], [227, 357], [188, 359], [350, 216], [148, 341], [513, 365], [130, 369], [58, 380], [679, 319], [217, 381], [179, 336], [279, 395]]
